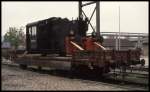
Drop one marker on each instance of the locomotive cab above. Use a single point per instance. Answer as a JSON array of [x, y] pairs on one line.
[[48, 36]]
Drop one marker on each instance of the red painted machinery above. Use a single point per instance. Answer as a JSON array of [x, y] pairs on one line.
[[92, 55]]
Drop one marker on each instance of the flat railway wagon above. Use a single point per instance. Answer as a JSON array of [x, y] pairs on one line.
[[56, 39]]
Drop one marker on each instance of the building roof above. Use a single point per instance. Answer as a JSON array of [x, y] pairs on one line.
[[112, 42], [6, 45], [124, 43]]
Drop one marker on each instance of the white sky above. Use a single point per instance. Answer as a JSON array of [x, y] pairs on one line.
[[133, 15]]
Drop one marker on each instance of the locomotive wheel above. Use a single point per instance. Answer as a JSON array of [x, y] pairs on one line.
[[23, 66], [73, 70], [39, 68], [43, 54], [98, 70], [73, 67], [62, 53], [78, 69]]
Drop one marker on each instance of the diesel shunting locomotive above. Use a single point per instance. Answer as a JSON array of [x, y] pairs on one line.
[[68, 40]]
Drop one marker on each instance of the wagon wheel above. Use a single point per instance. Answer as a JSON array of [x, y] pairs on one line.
[[131, 68], [123, 68], [10, 58], [142, 62], [114, 65], [12, 55]]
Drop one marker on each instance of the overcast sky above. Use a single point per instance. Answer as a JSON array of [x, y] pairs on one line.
[[133, 15]]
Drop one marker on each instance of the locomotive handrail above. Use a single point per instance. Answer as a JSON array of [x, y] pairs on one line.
[[102, 47], [76, 45]]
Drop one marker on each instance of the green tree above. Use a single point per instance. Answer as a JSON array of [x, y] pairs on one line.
[[15, 36]]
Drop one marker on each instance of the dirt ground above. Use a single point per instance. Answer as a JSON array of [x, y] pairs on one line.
[[14, 78]]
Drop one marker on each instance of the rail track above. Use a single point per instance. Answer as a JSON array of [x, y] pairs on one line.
[[108, 79]]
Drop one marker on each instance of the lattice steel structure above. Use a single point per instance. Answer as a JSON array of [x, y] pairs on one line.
[[97, 10]]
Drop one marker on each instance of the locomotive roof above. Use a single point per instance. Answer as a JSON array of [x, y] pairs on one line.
[[33, 23], [37, 22]]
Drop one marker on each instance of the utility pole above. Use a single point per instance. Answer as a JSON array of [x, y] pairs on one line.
[[98, 19], [116, 41], [119, 29], [80, 9]]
